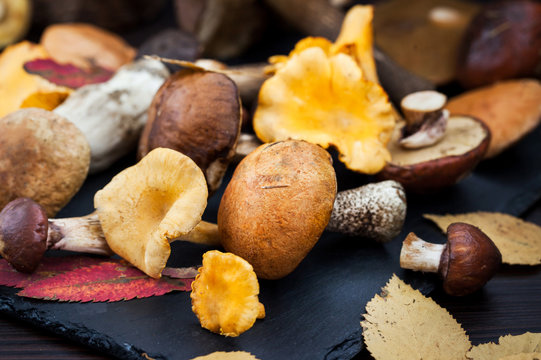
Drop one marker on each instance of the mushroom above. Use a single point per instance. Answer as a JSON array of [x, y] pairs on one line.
[[225, 28], [86, 46], [44, 157], [437, 151], [426, 119], [199, 114], [465, 263], [225, 294], [15, 18], [282, 196], [123, 101], [26, 233], [501, 42], [146, 206]]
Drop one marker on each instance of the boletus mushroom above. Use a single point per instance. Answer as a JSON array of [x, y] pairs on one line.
[[465, 263], [26, 233], [439, 150], [44, 157], [198, 113], [283, 195]]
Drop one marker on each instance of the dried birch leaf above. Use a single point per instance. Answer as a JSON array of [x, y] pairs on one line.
[[180, 273], [67, 74], [111, 280], [45, 100], [523, 356], [507, 345], [519, 241], [223, 355], [401, 323]]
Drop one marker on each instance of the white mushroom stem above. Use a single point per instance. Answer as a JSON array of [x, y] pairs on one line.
[[81, 234], [84, 234], [426, 120], [419, 255], [376, 211]]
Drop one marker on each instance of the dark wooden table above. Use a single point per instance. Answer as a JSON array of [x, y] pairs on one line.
[[510, 303]]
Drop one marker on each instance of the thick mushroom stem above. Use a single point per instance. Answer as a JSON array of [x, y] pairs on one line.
[[376, 211], [419, 255], [426, 119], [79, 234]]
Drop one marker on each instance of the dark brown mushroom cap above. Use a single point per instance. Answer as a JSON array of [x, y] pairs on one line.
[[277, 205], [469, 259], [23, 234], [197, 113]]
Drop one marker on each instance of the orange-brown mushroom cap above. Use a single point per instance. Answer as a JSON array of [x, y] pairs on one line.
[[147, 205], [326, 100]]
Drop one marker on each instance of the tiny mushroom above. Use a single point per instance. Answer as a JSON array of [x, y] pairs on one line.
[[44, 157], [123, 101], [199, 114], [26, 233], [465, 263], [439, 150], [283, 195]]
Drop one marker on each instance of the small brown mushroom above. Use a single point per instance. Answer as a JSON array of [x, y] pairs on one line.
[[426, 119], [26, 233], [283, 196], [197, 113], [465, 263], [44, 157]]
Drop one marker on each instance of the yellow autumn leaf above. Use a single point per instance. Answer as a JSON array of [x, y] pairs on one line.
[[506, 346], [519, 241], [223, 355], [402, 323]]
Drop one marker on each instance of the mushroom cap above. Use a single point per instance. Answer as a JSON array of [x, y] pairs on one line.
[[23, 234], [325, 99], [44, 157], [469, 259], [225, 294], [149, 204], [276, 205], [199, 114], [443, 164]]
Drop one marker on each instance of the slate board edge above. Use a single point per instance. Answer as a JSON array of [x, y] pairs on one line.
[[74, 332]]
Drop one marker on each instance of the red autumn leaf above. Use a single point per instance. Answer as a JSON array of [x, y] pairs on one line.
[[48, 267], [67, 74], [112, 280]]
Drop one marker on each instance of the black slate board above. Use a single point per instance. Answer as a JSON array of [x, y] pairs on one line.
[[313, 313]]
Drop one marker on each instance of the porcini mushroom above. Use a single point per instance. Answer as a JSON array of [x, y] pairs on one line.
[[44, 157], [150, 204], [123, 101], [282, 196], [465, 263], [26, 233], [199, 114]]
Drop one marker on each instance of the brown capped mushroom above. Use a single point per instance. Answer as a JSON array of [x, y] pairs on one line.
[[199, 114], [44, 157], [281, 198], [465, 263], [26, 233]]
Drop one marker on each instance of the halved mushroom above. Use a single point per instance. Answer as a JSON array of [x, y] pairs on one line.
[[440, 165], [199, 114], [147, 205], [44, 157], [281, 198]]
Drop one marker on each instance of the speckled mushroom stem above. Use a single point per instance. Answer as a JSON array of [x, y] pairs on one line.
[[376, 211], [82, 234], [419, 255]]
